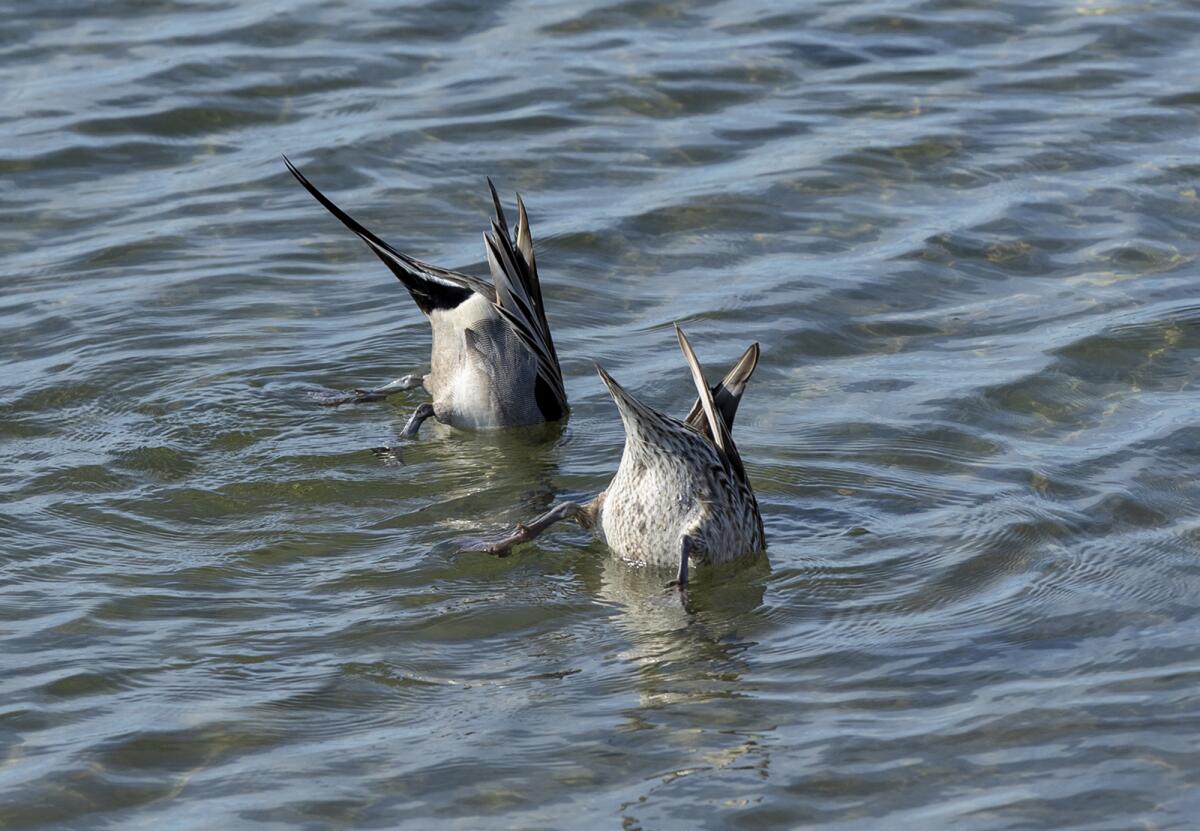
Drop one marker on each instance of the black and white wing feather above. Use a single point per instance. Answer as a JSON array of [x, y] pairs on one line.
[[518, 300]]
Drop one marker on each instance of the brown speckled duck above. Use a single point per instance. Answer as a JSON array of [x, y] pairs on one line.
[[680, 495]]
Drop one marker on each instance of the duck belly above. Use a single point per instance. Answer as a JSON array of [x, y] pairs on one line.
[[646, 512], [648, 509], [482, 378]]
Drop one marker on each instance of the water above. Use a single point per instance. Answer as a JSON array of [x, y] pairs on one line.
[[964, 235]]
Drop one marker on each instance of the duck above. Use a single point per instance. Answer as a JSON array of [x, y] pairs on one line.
[[680, 496], [493, 363]]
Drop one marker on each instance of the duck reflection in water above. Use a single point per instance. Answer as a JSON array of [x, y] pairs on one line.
[[690, 674], [680, 496], [457, 475]]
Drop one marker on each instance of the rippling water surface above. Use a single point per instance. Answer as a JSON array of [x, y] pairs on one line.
[[965, 235]]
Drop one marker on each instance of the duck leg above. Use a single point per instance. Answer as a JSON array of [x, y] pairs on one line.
[[524, 532], [358, 396], [681, 580], [417, 419]]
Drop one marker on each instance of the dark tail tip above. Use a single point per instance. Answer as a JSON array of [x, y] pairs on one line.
[[496, 202]]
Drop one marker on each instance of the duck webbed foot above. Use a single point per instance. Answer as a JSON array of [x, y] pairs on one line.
[[359, 396], [524, 532]]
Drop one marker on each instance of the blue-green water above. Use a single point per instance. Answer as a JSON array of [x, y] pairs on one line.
[[964, 234]]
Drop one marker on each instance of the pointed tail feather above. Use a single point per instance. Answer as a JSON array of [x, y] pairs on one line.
[[717, 428], [518, 300], [631, 409], [727, 395], [716, 424], [522, 252], [431, 287], [525, 246], [499, 208], [534, 283]]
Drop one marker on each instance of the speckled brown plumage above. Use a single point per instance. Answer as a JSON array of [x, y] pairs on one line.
[[680, 491], [675, 481]]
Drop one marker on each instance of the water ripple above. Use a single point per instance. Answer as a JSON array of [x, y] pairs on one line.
[[964, 235]]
